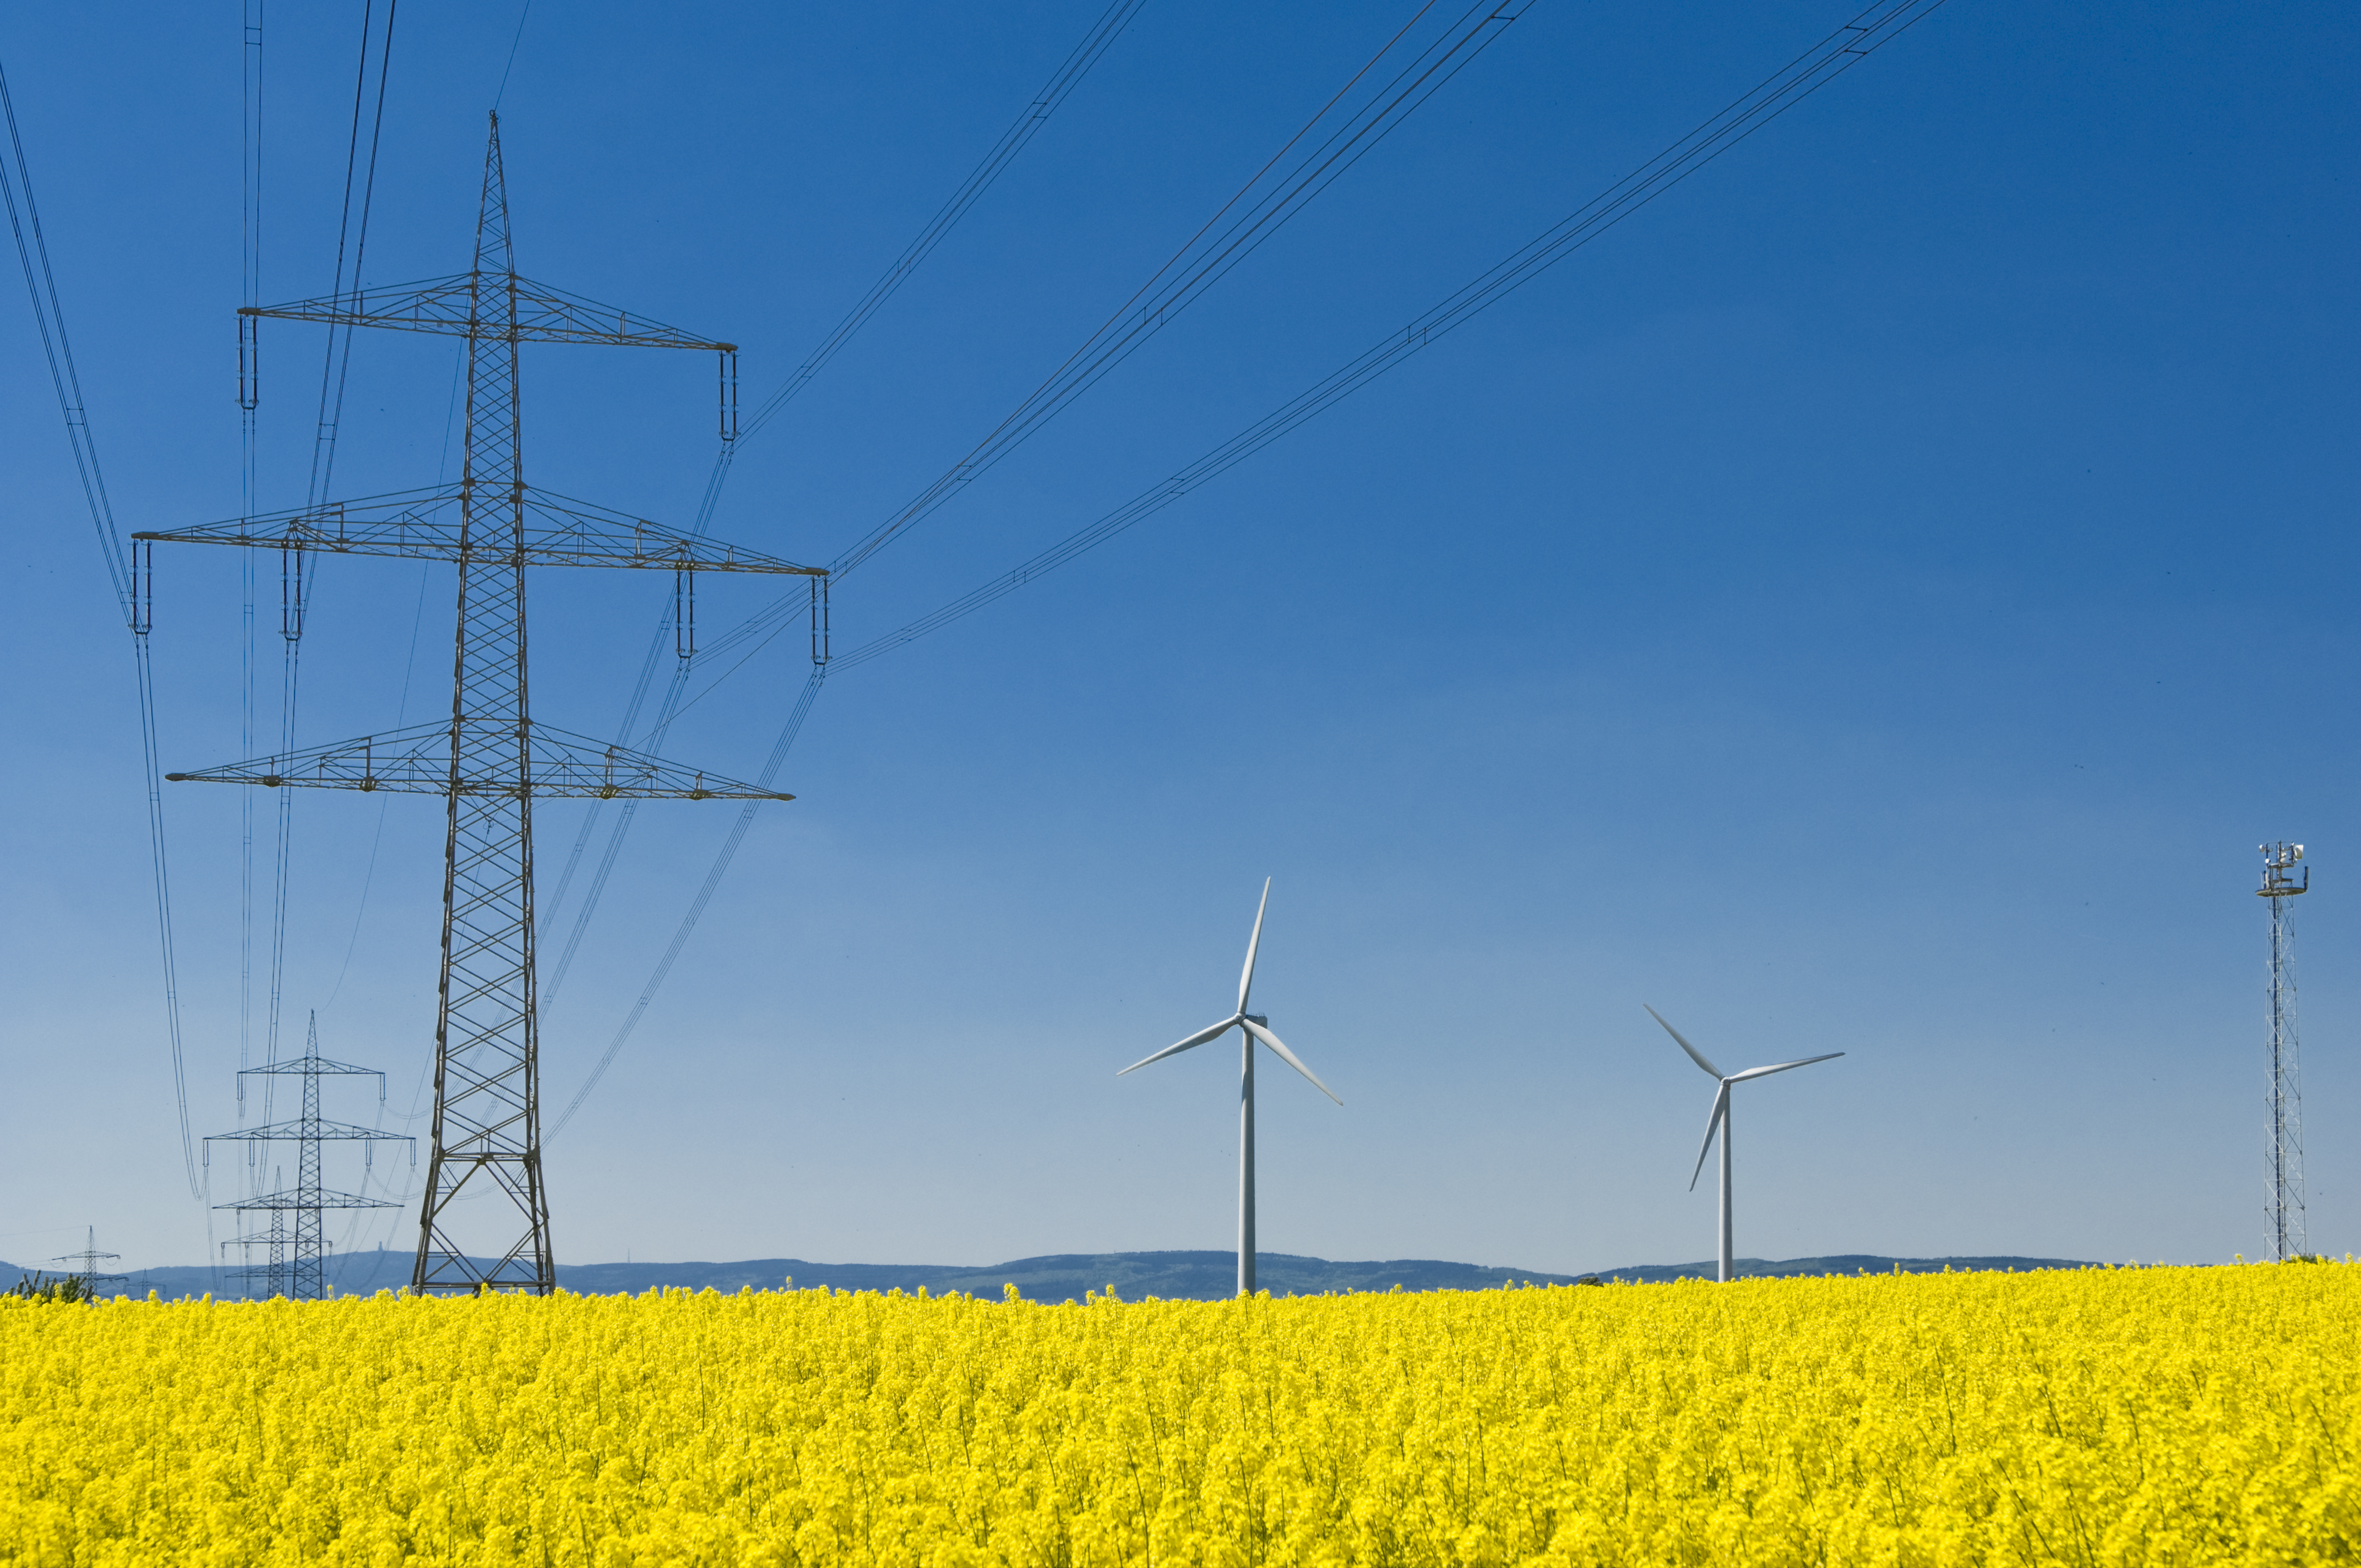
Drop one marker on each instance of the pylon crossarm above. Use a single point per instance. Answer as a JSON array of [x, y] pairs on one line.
[[431, 525], [305, 1129], [323, 1199], [417, 761], [296, 1067], [579, 532], [458, 306]]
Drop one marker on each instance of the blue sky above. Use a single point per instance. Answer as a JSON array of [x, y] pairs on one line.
[[1874, 600]]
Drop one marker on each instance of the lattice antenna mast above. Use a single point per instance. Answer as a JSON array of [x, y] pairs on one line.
[[297, 1235], [492, 760], [2284, 877]]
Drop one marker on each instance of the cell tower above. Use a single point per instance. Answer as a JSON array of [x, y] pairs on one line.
[[297, 1264], [490, 762], [2284, 876], [85, 1264]]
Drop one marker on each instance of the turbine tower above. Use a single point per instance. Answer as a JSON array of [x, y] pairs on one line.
[[2284, 876], [1251, 1027], [1720, 1122], [490, 762]]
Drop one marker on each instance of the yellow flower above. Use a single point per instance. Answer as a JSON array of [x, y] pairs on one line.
[[2163, 1416]]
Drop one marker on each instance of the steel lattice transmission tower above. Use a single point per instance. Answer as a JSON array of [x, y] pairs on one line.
[[2284, 876], [490, 762], [85, 1264], [297, 1265]]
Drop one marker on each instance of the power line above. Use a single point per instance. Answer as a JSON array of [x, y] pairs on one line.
[[503, 90], [352, 228], [123, 572], [1109, 26], [337, 367], [1773, 96], [779, 749], [1266, 201], [1803, 76], [1102, 34], [249, 369]]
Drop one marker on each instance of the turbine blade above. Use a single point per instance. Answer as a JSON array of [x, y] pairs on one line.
[[1780, 1067], [1696, 1054], [1245, 977], [1267, 1039], [1198, 1039], [1712, 1125]]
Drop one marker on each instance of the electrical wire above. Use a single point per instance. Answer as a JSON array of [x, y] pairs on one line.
[[1263, 205], [249, 373], [502, 91], [1268, 201], [1104, 32], [779, 749], [352, 230], [401, 716], [1840, 52], [1774, 96], [49, 313], [337, 368], [401, 706]]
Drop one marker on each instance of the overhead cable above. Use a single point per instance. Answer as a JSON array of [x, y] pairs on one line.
[[1262, 205], [1847, 46], [779, 749], [250, 370], [352, 231], [48, 314], [1102, 33], [1801, 77], [337, 368]]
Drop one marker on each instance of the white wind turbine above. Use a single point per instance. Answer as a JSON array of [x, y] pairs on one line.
[[1252, 1028], [1720, 1122]]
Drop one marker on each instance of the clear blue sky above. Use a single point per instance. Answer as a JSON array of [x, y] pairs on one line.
[[1875, 600]]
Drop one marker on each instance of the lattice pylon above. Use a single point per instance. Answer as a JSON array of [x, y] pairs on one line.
[[487, 1127], [298, 1265], [486, 1032]]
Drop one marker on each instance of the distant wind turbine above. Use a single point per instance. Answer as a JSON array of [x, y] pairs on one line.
[[1720, 1122], [1253, 1028]]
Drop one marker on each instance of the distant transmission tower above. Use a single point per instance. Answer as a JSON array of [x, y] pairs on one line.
[[2284, 876], [491, 760], [271, 1274], [297, 1265], [85, 1264]]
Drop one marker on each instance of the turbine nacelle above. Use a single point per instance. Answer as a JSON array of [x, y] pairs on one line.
[[1721, 1095], [1717, 1123], [1255, 1026], [1257, 1029]]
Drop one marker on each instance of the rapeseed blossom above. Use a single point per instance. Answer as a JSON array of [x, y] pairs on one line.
[[2103, 1417]]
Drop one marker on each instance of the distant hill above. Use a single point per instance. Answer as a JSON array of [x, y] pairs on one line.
[[1844, 1263], [1172, 1276]]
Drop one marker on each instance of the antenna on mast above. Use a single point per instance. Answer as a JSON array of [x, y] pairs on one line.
[[2284, 876]]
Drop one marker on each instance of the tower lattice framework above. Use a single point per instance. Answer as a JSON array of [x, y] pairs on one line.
[[492, 760], [2284, 877], [83, 1264], [297, 1263]]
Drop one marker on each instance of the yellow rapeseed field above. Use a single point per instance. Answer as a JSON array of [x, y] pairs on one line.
[[2118, 1416]]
